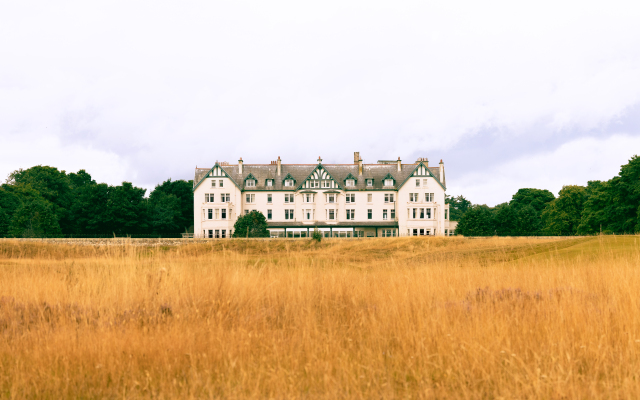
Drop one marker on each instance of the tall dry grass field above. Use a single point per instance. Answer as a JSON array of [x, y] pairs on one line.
[[377, 318]]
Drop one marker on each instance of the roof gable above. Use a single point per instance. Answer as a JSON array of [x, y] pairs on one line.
[[217, 171], [422, 171], [319, 174]]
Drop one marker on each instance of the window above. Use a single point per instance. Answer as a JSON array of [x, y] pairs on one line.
[[246, 212], [446, 232], [331, 214], [208, 197], [225, 197], [351, 214], [288, 182], [217, 234], [351, 198], [424, 182], [428, 197], [393, 213], [369, 198], [288, 198], [446, 216], [422, 213], [309, 197], [415, 232], [314, 184], [309, 214], [388, 182], [384, 214], [221, 182], [269, 182], [415, 210], [413, 197], [369, 182], [331, 198], [210, 233], [210, 213], [288, 214], [250, 183], [213, 183], [388, 198], [326, 184], [417, 183], [217, 213], [351, 182], [269, 214], [223, 213], [250, 198], [269, 198], [428, 213], [224, 233], [369, 214]]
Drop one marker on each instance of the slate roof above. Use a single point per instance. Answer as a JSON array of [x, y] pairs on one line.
[[300, 172]]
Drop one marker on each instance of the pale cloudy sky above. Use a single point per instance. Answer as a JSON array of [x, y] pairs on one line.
[[509, 94]]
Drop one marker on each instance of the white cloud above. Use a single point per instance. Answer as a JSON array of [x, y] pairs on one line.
[[574, 163], [166, 86]]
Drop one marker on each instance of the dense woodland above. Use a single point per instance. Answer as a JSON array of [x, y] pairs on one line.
[[44, 202], [610, 207]]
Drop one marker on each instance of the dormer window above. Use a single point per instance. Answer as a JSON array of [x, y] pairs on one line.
[[388, 182], [269, 182], [369, 182], [250, 183], [288, 182], [350, 182]]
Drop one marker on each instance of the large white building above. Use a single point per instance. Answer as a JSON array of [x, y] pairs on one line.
[[341, 200]]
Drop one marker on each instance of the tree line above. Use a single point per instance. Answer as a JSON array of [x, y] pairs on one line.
[[44, 202], [610, 207]]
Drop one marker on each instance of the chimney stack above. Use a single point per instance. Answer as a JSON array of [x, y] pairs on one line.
[[279, 168], [399, 165], [319, 160], [360, 167], [442, 173], [356, 157], [240, 165]]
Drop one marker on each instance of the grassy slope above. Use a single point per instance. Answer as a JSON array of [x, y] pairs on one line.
[[405, 317]]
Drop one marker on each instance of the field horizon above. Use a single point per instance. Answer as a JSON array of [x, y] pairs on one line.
[[426, 317]]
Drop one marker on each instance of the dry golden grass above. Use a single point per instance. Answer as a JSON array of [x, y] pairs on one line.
[[376, 318]]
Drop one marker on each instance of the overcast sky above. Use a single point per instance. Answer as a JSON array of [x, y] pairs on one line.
[[509, 94]]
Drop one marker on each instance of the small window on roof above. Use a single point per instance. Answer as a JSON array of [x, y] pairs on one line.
[[369, 182], [250, 183], [388, 182], [288, 182], [351, 182], [269, 182]]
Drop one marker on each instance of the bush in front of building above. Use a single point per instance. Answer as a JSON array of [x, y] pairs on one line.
[[253, 225]]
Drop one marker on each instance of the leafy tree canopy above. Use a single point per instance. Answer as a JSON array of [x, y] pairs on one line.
[[536, 198], [253, 223], [457, 207]]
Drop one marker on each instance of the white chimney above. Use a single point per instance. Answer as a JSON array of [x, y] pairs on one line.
[[279, 168], [240, 165], [442, 173], [399, 165]]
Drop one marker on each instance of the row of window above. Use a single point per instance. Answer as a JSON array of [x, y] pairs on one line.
[[216, 233], [214, 213], [415, 197], [330, 215], [211, 198], [250, 198], [318, 184]]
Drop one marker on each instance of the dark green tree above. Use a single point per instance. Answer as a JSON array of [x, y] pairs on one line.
[[457, 206], [477, 221], [627, 197], [528, 221], [598, 205], [536, 198], [53, 185], [35, 218], [562, 215], [505, 220], [89, 210], [4, 223], [126, 209], [165, 213], [183, 192], [254, 224]]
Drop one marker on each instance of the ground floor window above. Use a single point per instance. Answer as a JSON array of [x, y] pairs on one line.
[[217, 233], [210, 234], [224, 234]]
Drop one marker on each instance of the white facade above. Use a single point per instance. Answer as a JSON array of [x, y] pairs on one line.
[[341, 200]]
